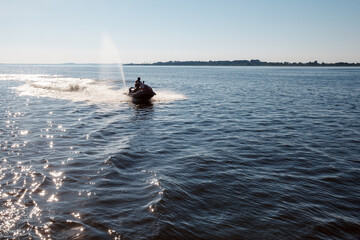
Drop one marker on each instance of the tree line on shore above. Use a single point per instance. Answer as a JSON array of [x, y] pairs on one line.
[[249, 63]]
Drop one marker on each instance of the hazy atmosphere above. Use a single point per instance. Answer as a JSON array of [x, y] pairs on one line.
[[137, 31]]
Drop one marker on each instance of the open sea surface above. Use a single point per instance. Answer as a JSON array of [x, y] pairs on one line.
[[220, 153]]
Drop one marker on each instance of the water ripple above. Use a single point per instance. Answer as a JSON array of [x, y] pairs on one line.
[[274, 157]]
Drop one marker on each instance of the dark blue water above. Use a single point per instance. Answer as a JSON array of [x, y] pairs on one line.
[[221, 153]]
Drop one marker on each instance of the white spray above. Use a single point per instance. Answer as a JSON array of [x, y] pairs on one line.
[[110, 54], [77, 89]]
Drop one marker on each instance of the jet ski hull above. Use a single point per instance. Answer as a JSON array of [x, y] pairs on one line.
[[143, 94]]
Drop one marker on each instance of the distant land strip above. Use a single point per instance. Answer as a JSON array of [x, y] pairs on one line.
[[247, 63]]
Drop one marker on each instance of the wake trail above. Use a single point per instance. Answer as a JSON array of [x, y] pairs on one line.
[[79, 89]]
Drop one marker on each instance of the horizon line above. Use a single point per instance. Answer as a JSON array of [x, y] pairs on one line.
[[185, 61]]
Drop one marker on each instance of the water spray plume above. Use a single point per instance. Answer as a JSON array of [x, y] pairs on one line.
[[110, 54]]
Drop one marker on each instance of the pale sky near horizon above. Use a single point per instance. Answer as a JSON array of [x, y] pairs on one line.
[[143, 31]]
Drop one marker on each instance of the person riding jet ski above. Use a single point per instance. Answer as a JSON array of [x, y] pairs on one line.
[[141, 91]]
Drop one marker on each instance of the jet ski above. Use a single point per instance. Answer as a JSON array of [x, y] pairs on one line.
[[143, 94]]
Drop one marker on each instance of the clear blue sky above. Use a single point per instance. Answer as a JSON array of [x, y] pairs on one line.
[[40, 31]]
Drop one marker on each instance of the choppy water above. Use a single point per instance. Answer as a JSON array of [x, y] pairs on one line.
[[221, 153]]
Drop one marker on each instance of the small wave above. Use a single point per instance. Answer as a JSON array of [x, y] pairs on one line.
[[24, 77]]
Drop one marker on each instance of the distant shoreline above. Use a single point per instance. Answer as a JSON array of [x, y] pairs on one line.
[[246, 63], [241, 63]]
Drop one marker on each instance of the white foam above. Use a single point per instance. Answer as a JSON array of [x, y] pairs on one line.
[[167, 96], [73, 89]]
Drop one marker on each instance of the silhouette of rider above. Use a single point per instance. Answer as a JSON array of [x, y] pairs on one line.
[[137, 83]]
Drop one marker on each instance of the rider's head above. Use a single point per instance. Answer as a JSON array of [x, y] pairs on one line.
[[138, 78]]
